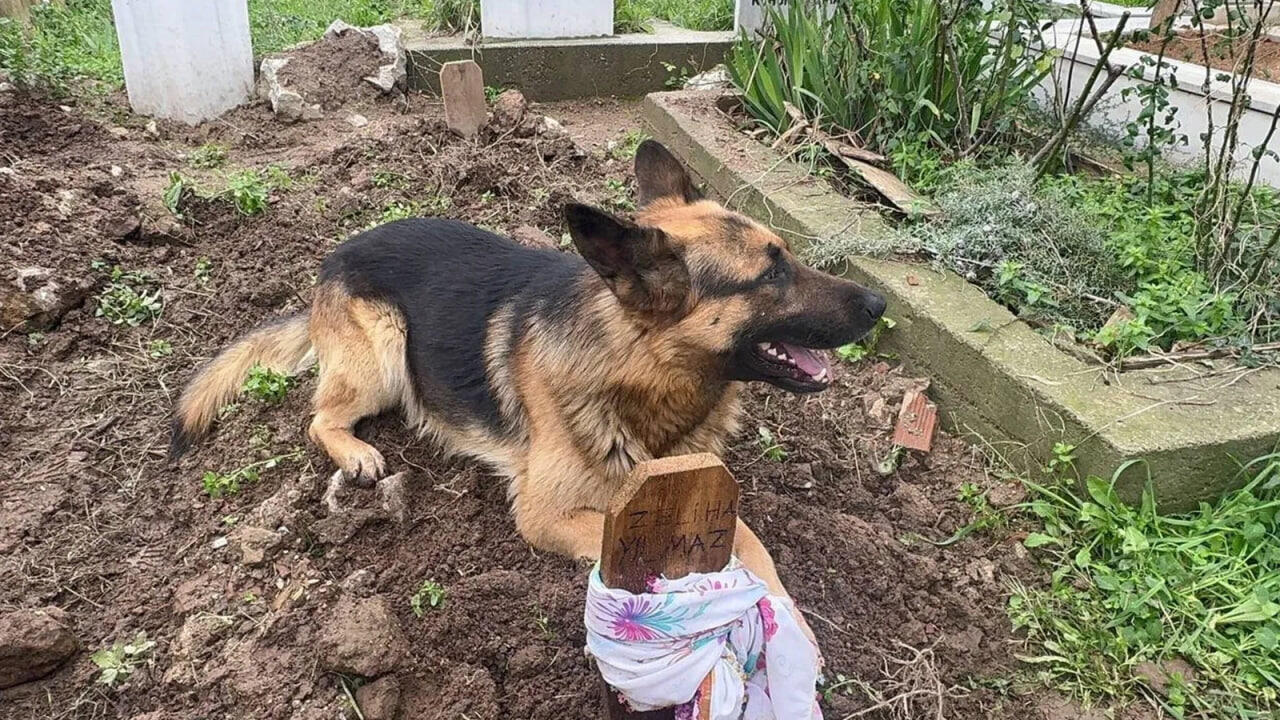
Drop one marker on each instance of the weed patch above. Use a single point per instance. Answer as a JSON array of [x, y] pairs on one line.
[[219, 484], [1130, 586], [267, 385], [429, 596], [208, 156], [121, 660], [129, 299]]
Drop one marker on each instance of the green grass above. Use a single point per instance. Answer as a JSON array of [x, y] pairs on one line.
[[1130, 586], [630, 16], [66, 47]]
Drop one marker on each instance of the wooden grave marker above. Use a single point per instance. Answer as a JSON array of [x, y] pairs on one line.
[[462, 87], [672, 517]]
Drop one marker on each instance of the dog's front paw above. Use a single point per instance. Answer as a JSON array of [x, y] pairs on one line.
[[363, 466]]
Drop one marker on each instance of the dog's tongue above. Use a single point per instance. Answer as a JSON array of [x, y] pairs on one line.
[[810, 361]]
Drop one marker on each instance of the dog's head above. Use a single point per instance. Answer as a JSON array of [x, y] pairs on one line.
[[716, 288]]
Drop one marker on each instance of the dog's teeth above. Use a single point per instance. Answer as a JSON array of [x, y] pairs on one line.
[[773, 351]]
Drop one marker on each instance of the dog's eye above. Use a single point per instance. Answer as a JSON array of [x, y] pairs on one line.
[[772, 274]]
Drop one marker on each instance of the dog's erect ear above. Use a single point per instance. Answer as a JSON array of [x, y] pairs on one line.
[[660, 175], [638, 263]]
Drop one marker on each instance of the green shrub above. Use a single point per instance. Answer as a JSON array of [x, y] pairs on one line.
[[248, 191], [208, 156]]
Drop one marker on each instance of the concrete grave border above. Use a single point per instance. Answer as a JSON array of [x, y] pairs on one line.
[[1007, 384], [628, 65]]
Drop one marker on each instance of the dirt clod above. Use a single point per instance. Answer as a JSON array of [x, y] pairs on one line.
[[509, 109], [362, 637], [380, 699], [254, 544], [33, 643]]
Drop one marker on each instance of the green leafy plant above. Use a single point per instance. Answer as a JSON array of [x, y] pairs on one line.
[[174, 193], [618, 196], [224, 484], [389, 179], [267, 385], [126, 299], [203, 271], [889, 70], [121, 660], [208, 156], [866, 347], [1129, 585], [249, 191], [157, 349], [429, 596], [770, 447], [625, 148]]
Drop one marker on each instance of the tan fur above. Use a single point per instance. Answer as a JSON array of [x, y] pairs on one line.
[[282, 347]]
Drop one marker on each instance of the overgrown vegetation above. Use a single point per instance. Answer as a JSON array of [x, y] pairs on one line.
[[631, 16], [65, 45], [1184, 609], [894, 71]]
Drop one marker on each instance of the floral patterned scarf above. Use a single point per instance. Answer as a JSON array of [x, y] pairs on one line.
[[656, 648]]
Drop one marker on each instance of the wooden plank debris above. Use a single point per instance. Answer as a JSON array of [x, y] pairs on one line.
[[462, 87]]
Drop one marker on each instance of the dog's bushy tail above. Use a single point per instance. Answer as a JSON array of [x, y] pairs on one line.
[[283, 346]]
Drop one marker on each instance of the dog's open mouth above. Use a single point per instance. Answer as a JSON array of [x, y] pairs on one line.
[[793, 362]]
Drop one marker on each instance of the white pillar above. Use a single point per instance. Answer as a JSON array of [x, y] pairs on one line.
[[546, 18], [188, 60]]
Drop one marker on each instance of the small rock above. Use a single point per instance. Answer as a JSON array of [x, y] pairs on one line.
[[362, 637], [359, 583], [530, 236], [1006, 494], [5, 87], [256, 545], [30, 278], [118, 132], [379, 699], [392, 492], [116, 171], [153, 130], [509, 108], [717, 78], [121, 226], [357, 120], [285, 103], [219, 542], [798, 476], [33, 643], [550, 126], [337, 528]]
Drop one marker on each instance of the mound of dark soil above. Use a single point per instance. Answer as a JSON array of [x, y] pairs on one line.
[[248, 595], [331, 71]]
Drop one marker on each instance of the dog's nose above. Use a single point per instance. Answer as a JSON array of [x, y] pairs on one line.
[[874, 305]]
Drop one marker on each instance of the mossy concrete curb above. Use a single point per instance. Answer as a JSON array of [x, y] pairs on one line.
[[627, 65], [992, 375]]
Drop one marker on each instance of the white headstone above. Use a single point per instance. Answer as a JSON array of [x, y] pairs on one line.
[[750, 15], [546, 18], [187, 60]]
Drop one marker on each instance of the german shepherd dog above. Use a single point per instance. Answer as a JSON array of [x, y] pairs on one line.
[[559, 371]]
